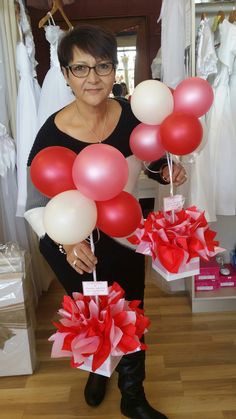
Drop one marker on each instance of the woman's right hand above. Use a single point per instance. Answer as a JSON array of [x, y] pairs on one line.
[[80, 257]]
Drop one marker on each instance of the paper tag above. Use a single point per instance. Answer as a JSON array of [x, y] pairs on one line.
[[227, 284], [173, 202], [208, 288], [203, 277], [95, 287]]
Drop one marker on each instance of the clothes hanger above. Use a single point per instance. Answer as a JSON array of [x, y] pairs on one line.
[[232, 16], [217, 20], [57, 6], [203, 15], [17, 13]]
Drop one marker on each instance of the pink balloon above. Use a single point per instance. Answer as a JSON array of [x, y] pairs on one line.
[[100, 172], [120, 216], [145, 142], [193, 96]]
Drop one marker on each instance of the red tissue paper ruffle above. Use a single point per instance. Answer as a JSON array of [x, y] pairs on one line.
[[176, 238], [111, 326]]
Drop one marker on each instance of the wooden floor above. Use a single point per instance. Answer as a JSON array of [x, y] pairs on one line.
[[191, 367]]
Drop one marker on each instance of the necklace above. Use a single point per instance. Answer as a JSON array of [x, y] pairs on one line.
[[101, 138]]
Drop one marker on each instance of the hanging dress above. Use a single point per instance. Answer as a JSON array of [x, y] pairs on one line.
[[232, 88], [173, 41], [200, 191], [25, 27], [221, 126], [55, 94], [26, 122], [206, 60]]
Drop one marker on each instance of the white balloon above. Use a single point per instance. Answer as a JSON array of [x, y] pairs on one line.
[[70, 217], [151, 102]]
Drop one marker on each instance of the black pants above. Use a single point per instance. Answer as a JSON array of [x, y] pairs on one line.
[[116, 263]]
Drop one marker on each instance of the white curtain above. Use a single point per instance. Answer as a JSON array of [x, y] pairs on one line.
[[8, 35]]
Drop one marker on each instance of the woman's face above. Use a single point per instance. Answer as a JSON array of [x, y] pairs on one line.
[[92, 89]]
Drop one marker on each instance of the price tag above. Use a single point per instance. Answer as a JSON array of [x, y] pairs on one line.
[[95, 287], [175, 202]]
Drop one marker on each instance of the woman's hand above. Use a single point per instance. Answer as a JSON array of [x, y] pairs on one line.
[[179, 175], [80, 257]]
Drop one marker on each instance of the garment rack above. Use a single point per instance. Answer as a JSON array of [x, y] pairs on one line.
[[210, 9], [214, 7]]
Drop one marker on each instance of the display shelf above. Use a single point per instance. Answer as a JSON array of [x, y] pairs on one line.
[[223, 299]]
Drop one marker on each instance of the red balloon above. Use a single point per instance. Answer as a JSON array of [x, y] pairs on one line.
[[100, 172], [181, 133], [145, 142], [193, 96], [51, 170], [120, 216]]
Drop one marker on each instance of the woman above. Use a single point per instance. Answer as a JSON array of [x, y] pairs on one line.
[[88, 58]]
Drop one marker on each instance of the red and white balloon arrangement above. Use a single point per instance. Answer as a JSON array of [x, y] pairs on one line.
[[83, 192], [169, 121]]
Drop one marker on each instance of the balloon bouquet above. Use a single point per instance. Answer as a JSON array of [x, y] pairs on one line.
[[95, 330], [175, 238]]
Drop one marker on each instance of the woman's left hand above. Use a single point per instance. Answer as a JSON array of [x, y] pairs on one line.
[[179, 175]]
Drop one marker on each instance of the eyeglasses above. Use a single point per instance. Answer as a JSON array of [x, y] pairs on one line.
[[83, 70]]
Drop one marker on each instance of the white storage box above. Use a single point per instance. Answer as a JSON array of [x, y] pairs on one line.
[[188, 269], [17, 356], [17, 321]]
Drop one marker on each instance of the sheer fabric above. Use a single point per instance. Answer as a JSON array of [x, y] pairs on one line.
[[26, 123], [55, 94]]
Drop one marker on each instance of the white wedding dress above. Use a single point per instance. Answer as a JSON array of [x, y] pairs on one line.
[[232, 88], [206, 61], [26, 122], [213, 175], [221, 125], [55, 94]]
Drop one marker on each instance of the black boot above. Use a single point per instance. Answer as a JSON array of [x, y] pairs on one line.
[[95, 389], [134, 405]]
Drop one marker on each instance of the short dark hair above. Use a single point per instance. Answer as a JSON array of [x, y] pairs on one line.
[[124, 88], [97, 41], [117, 89]]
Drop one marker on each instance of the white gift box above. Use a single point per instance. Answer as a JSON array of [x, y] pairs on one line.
[[17, 319], [106, 368], [18, 355], [188, 269]]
